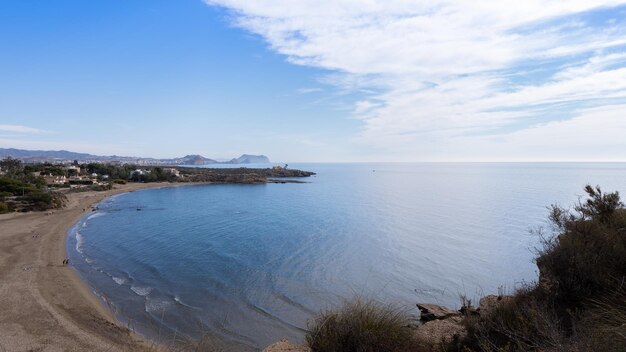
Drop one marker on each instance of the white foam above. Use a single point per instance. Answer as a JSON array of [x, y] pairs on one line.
[[141, 290], [118, 280], [96, 215], [157, 305], [179, 301], [79, 242]]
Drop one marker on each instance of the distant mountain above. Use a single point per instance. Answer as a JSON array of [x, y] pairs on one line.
[[39, 156], [196, 160], [250, 159], [55, 154]]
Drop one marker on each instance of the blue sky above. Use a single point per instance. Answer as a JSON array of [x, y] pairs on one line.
[[340, 80]]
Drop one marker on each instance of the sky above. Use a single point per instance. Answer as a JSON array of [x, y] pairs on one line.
[[316, 81]]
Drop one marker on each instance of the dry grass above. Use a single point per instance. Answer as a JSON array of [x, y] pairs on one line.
[[362, 326]]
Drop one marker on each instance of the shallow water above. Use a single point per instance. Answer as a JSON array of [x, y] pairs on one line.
[[249, 264]]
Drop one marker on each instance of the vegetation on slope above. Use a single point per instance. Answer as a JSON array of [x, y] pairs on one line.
[[19, 188], [364, 326], [579, 303]]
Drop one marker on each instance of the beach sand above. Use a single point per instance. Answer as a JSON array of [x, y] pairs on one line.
[[44, 305]]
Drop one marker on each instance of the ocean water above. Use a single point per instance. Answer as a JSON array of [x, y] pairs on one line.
[[250, 264]]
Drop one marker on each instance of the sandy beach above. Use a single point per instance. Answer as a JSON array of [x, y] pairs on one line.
[[44, 305]]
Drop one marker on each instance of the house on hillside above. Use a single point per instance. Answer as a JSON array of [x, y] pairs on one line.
[[172, 171], [55, 180], [73, 169], [139, 172]]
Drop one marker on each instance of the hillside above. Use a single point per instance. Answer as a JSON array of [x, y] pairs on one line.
[[55, 156]]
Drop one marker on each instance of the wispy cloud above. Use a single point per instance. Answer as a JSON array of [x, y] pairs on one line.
[[22, 129], [436, 72], [309, 90]]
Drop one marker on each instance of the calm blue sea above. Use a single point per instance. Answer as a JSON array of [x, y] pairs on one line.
[[249, 264]]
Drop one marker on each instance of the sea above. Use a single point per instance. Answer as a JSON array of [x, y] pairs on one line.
[[247, 265]]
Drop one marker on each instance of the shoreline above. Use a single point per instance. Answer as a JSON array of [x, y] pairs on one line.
[[45, 304]]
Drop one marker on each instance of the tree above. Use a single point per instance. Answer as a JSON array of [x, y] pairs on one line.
[[10, 165], [600, 205]]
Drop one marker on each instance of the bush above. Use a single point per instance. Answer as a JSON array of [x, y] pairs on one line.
[[603, 326], [579, 303], [119, 181], [520, 323], [4, 208], [103, 187], [39, 200], [363, 326], [586, 257]]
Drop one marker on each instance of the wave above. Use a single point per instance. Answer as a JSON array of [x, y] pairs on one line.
[[179, 301], [119, 280], [96, 215], [141, 290], [80, 240], [157, 305]]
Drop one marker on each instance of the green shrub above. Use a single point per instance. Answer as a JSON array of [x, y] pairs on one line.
[[4, 208], [39, 200], [520, 323], [586, 257], [119, 181], [15, 187], [363, 326]]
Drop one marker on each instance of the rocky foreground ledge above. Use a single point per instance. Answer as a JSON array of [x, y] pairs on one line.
[[444, 325], [438, 324]]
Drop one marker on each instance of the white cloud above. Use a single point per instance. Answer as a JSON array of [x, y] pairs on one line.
[[443, 70], [604, 127], [21, 129], [309, 90]]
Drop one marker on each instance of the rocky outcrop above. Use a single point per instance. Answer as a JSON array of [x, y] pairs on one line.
[[285, 346], [441, 325], [429, 312], [436, 333]]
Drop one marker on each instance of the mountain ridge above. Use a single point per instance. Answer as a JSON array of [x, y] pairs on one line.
[[34, 156]]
